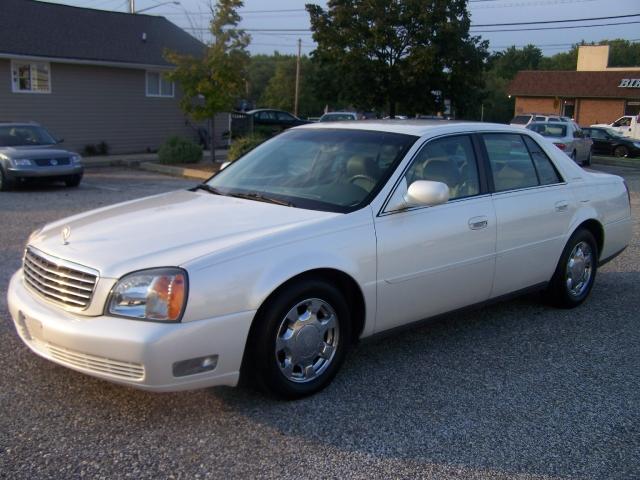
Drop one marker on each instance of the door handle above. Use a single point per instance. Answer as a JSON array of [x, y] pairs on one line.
[[478, 223], [562, 206]]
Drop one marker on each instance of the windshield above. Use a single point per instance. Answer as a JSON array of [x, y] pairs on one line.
[[549, 129], [22, 135], [320, 169], [521, 119]]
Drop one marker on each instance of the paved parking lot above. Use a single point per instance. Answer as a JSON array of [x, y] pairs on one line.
[[515, 390]]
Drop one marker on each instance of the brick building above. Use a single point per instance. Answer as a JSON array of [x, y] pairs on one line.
[[594, 93]]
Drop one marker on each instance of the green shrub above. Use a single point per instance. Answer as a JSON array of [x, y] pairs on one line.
[[179, 150], [243, 145]]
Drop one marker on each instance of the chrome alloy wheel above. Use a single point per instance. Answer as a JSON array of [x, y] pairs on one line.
[[579, 269], [307, 340]]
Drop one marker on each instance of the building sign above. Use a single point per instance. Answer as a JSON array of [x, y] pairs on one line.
[[629, 83]]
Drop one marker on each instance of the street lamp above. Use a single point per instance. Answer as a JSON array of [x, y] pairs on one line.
[[133, 10]]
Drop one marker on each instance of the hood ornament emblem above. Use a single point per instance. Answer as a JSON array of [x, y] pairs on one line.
[[66, 233]]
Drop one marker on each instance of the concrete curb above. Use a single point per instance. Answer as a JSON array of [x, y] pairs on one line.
[[617, 162], [176, 171]]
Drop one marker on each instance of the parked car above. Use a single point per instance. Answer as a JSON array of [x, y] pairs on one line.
[[28, 151], [527, 118], [323, 235], [339, 117], [626, 126], [607, 141], [568, 137], [276, 120]]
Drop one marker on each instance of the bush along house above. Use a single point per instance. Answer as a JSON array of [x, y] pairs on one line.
[[95, 78], [593, 94]]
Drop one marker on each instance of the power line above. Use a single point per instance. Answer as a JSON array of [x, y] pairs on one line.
[[557, 28], [555, 21]]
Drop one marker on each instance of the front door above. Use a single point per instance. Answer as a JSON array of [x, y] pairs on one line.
[[435, 259]]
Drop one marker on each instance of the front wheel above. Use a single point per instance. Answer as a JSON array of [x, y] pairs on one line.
[[73, 180], [5, 183], [576, 271], [620, 151], [300, 339]]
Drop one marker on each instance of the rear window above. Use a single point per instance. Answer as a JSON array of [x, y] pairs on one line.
[[549, 129], [521, 119]]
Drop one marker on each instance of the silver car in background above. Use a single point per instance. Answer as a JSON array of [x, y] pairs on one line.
[[28, 150], [568, 137]]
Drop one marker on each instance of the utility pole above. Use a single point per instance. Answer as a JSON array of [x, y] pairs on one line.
[[295, 103], [132, 6]]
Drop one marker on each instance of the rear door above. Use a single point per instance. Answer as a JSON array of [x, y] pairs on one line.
[[533, 206]]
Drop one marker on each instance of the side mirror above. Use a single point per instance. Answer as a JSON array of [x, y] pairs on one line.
[[224, 165], [427, 193], [59, 140]]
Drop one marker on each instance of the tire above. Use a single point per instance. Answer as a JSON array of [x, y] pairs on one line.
[[620, 151], [294, 365], [566, 290], [573, 156], [587, 162], [5, 183], [73, 180]]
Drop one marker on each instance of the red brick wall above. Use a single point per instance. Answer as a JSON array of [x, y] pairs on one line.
[[599, 111], [537, 105]]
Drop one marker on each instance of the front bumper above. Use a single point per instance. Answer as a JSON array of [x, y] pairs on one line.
[[131, 352], [44, 172]]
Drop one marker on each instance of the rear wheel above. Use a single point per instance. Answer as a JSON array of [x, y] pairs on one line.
[[621, 151], [300, 339], [576, 271], [587, 161], [73, 180], [573, 155]]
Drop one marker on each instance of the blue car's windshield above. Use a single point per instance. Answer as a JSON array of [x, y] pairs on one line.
[[322, 169]]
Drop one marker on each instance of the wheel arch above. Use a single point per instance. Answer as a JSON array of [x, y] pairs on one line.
[[345, 282], [596, 229]]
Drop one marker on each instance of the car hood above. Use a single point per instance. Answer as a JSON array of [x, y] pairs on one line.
[[167, 230], [34, 151]]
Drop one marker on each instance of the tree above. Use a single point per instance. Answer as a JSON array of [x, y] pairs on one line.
[[409, 53], [212, 84]]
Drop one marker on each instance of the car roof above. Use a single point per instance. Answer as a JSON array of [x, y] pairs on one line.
[[266, 110], [414, 127], [340, 113], [4, 123]]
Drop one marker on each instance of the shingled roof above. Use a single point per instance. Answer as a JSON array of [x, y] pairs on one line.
[[40, 29], [552, 83]]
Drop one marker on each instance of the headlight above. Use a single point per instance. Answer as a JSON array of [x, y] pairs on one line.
[[75, 158], [21, 162], [158, 294], [3, 157]]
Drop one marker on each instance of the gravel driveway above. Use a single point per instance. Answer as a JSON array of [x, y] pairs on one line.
[[516, 390]]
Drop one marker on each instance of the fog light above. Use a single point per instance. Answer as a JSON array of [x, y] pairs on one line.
[[195, 365]]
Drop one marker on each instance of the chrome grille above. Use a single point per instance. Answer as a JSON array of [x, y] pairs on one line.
[[59, 281]]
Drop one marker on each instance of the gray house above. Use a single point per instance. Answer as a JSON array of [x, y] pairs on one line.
[[92, 76]]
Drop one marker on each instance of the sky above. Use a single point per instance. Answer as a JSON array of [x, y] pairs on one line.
[[193, 15]]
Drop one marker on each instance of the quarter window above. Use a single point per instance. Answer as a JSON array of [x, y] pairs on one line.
[[31, 77], [449, 160], [158, 85]]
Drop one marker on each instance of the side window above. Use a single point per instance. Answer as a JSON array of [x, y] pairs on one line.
[[546, 171], [511, 165], [449, 160], [283, 116]]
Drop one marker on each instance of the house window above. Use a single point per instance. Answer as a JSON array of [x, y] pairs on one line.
[[30, 77], [158, 85]]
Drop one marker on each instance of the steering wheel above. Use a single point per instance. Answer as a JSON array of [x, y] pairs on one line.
[[362, 177]]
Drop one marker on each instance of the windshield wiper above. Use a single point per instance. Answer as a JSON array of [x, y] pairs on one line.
[[261, 198], [207, 188]]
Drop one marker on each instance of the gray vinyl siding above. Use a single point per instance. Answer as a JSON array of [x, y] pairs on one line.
[[90, 104]]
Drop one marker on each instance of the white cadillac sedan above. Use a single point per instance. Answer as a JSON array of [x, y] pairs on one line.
[[323, 235]]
